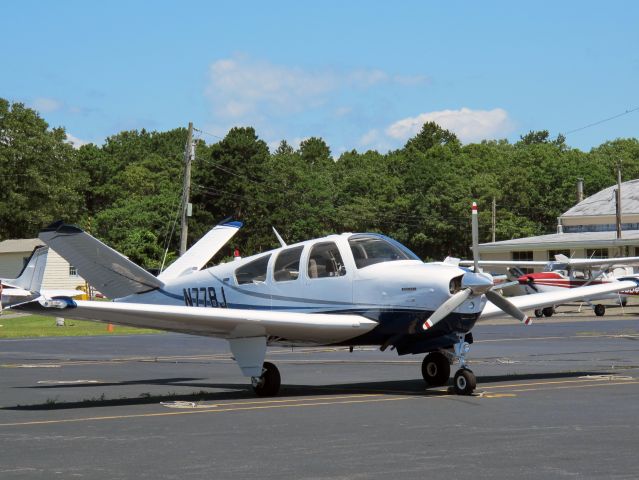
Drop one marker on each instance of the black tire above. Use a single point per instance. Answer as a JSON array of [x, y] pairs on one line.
[[464, 382], [436, 369], [539, 313], [269, 383], [548, 311], [624, 301], [600, 310]]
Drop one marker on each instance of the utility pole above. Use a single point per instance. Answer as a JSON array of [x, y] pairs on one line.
[[186, 188], [618, 199], [494, 220]]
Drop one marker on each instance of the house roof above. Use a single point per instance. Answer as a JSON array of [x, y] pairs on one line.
[[560, 241], [21, 245], [603, 202]]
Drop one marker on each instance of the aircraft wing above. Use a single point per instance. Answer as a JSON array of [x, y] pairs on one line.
[[546, 299], [587, 262], [321, 328], [504, 263]]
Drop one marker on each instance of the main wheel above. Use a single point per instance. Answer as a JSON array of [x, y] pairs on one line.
[[268, 384], [600, 310], [539, 313], [436, 369], [464, 382], [548, 311]]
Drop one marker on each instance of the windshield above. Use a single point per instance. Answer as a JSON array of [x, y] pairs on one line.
[[554, 266], [370, 249]]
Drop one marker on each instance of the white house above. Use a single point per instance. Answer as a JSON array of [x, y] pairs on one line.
[[58, 274]]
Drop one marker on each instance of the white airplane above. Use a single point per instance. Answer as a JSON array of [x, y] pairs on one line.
[[565, 273], [27, 285], [348, 290]]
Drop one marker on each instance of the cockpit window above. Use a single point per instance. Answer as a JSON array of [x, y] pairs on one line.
[[554, 266], [287, 264], [371, 249], [253, 272], [325, 261]]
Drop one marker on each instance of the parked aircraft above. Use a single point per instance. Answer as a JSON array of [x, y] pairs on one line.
[[564, 273], [350, 289], [27, 285]]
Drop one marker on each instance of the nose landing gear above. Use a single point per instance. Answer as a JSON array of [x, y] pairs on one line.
[[436, 368]]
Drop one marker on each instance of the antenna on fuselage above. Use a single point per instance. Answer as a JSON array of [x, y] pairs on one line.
[[279, 238]]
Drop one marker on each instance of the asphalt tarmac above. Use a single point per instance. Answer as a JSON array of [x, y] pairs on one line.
[[554, 400]]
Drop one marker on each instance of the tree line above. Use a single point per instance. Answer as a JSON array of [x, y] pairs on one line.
[[127, 191]]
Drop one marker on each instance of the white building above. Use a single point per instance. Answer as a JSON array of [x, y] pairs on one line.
[[58, 274], [587, 230]]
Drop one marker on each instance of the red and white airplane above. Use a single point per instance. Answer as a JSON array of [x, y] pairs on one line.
[[345, 290], [566, 273]]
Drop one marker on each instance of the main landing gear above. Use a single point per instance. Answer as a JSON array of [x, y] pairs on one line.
[[544, 312], [267, 384], [436, 369]]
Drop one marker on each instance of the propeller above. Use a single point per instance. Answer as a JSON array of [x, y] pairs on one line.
[[475, 283]]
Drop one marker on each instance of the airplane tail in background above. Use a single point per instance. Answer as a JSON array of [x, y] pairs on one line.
[[107, 270], [199, 254], [31, 276]]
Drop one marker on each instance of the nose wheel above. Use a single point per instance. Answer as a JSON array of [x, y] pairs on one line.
[[464, 382]]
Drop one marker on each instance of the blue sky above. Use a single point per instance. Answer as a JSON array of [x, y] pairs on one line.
[[360, 74]]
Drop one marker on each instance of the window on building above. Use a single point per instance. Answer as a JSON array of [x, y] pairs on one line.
[[73, 272], [597, 253], [552, 253], [287, 265], [525, 256], [253, 272], [325, 261]]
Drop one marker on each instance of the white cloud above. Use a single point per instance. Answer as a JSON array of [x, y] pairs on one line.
[[46, 105], [469, 125], [241, 87], [75, 141]]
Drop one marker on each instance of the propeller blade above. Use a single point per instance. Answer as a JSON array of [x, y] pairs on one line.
[[475, 230], [448, 306], [505, 305]]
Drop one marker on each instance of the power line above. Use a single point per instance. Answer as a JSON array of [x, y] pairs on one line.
[[602, 121]]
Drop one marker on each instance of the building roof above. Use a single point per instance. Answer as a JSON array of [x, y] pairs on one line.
[[603, 202], [21, 245], [561, 241]]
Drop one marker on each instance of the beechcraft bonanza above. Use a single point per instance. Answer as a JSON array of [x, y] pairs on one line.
[[565, 273], [347, 290]]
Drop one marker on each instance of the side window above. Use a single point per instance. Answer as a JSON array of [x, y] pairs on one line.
[[325, 261], [287, 265], [253, 272]]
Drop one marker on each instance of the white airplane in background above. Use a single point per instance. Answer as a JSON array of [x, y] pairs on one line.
[[348, 290], [27, 285], [565, 273]]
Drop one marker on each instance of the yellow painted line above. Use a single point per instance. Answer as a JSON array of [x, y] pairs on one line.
[[601, 384], [498, 395], [192, 412], [311, 399], [553, 382]]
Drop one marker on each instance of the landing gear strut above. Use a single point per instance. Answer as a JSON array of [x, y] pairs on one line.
[[464, 381], [436, 369], [268, 384]]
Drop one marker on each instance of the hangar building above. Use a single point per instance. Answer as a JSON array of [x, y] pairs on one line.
[[587, 230]]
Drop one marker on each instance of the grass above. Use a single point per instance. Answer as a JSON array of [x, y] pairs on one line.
[[40, 326]]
